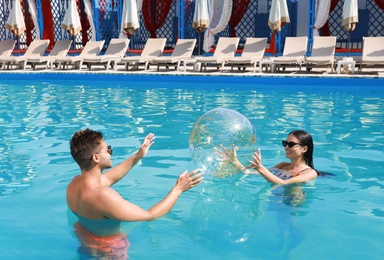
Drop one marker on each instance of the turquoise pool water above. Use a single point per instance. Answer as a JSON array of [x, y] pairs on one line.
[[339, 217]]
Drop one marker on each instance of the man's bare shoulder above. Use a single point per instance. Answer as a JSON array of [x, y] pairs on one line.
[[105, 196], [105, 191], [75, 180], [72, 186], [107, 202]]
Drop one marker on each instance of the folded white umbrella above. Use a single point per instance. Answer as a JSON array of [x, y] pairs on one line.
[[278, 15], [200, 17], [71, 22], [130, 18], [350, 15], [350, 18], [15, 22]]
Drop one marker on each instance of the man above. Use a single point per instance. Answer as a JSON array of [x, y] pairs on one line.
[[100, 208]]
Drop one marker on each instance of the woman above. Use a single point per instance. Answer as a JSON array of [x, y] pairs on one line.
[[298, 148]]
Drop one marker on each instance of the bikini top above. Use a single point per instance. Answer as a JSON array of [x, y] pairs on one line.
[[99, 227], [284, 174]]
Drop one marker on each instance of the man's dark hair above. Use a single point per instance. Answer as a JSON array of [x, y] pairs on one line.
[[84, 144]]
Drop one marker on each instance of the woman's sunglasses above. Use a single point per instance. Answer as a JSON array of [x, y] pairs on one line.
[[290, 144]]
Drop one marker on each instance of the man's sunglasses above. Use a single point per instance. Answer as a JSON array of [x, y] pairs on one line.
[[109, 150], [290, 144]]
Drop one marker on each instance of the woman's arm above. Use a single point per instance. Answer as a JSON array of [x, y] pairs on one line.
[[258, 166]]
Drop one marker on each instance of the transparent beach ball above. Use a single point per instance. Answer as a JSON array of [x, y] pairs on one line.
[[221, 126]]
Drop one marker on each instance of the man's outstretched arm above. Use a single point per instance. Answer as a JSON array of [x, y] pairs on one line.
[[118, 172], [112, 205]]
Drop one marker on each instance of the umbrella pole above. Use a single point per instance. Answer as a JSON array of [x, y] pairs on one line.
[[199, 34], [18, 44], [73, 45], [131, 42], [349, 38], [275, 46], [274, 36]]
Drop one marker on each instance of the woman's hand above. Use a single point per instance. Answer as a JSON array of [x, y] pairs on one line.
[[230, 156], [147, 143], [189, 180], [256, 163], [227, 156]]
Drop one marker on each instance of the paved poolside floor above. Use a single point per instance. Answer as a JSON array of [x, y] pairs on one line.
[[211, 71]]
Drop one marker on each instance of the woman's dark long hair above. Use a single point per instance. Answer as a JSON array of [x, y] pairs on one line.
[[306, 140]]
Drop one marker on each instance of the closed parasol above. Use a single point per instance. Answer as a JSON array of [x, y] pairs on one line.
[[350, 18], [15, 22], [71, 22], [278, 16], [130, 18], [200, 19]]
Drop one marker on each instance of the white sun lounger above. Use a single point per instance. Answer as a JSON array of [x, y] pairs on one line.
[[6, 47], [182, 52], [295, 49], [91, 49], [225, 50], [323, 52], [115, 51], [253, 53], [37, 48], [60, 49], [153, 48], [373, 52]]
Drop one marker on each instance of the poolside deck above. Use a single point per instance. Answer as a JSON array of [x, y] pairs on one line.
[[248, 72]]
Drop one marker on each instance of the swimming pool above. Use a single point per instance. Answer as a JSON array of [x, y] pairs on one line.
[[232, 218]]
